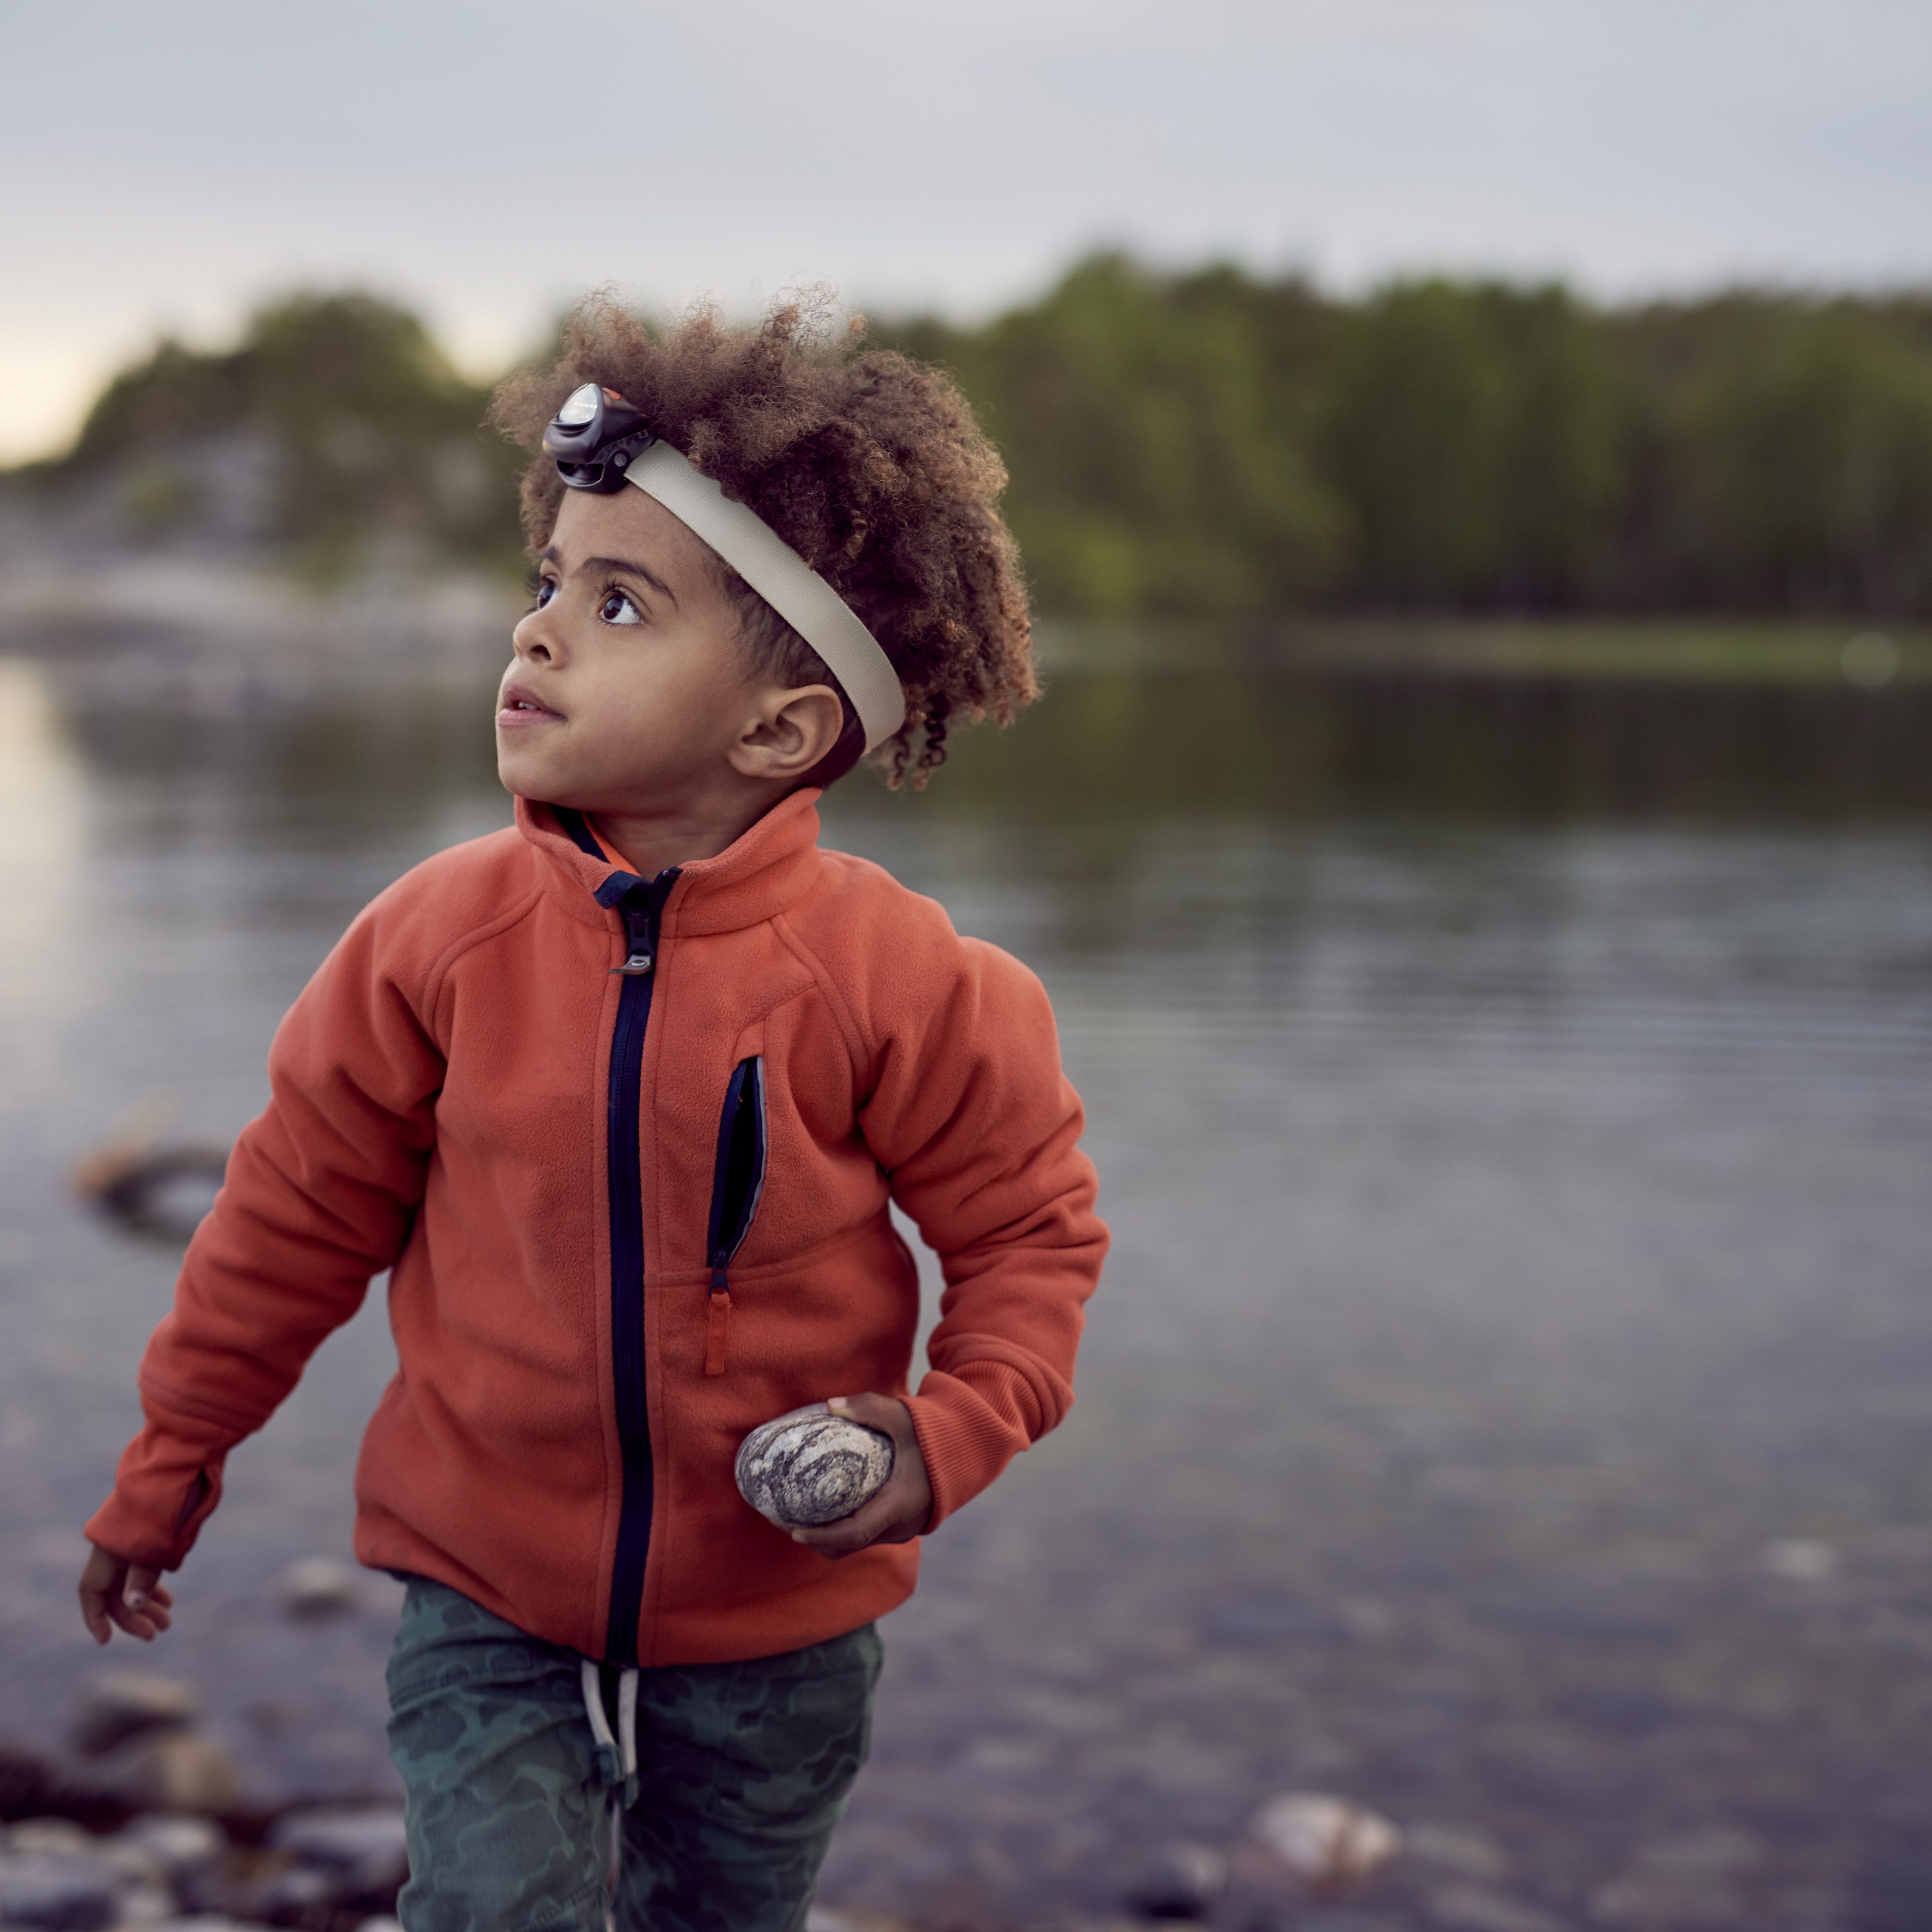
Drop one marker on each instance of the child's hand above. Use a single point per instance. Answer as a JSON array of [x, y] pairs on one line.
[[113, 1591], [898, 1512]]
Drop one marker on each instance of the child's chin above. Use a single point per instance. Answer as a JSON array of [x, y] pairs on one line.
[[523, 778]]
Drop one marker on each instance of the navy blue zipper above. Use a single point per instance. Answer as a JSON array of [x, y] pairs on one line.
[[738, 1175], [640, 905]]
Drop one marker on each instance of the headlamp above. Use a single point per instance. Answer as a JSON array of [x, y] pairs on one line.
[[594, 438], [600, 443]]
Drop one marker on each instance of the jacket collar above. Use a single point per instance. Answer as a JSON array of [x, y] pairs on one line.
[[761, 874]]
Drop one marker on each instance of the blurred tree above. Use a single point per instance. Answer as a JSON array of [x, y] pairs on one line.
[[1212, 442], [1149, 424], [1807, 465], [339, 410], [1415, 438], [1561, 458]]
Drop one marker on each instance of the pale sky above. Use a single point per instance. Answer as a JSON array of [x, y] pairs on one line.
[[168, 167]]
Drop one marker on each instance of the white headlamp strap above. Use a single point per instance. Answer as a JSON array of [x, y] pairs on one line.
[[784, 580]]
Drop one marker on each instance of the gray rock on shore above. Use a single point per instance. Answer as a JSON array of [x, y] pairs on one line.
[[123, 1704], [58, 1891], [314, 1587], [363, 1847], [182, 1848], [163, 1770], [1179, 1880]]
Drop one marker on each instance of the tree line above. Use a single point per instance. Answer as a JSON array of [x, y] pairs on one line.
[[1217, 442]]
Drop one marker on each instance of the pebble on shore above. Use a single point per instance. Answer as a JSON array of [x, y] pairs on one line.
[[122, 1704], [1329, 1843], [314, 1587]]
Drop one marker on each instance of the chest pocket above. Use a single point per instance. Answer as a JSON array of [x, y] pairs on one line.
[[738, 1181]]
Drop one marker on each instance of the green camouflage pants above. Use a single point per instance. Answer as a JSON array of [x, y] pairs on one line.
[[743, 1769]]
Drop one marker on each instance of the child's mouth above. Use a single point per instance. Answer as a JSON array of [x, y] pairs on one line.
[[519, 707]]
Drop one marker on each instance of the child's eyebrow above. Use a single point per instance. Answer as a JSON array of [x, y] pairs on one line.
[[623, 563]]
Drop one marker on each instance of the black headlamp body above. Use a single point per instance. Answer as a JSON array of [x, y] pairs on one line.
[[594, 438]]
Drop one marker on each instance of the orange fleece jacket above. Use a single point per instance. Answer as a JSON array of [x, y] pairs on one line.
[[578, 1357]]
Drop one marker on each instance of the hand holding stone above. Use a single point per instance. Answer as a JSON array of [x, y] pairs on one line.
[[898, 1512]]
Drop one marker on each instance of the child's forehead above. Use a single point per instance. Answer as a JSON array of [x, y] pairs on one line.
[[628, 526]]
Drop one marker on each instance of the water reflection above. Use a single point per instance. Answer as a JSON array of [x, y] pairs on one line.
[[44, 808], [1513, 1103]]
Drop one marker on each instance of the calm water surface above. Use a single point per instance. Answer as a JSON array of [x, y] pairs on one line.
[[1513, 1103]]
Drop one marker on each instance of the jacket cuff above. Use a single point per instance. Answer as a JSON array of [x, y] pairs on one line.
[[164, 1490], [970, 1424]]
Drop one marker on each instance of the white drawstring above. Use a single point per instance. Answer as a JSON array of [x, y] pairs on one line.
[[627, 1723], [617, 1756]]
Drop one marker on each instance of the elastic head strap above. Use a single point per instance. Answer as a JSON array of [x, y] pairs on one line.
[[784, 580]]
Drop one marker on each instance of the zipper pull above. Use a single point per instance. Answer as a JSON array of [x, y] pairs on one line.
[[718, 1319], [641, 906]]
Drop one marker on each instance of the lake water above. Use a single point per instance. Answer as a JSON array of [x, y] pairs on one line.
[[1509, 1402]]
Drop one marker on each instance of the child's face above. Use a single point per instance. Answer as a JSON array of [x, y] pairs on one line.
[[628, 693]]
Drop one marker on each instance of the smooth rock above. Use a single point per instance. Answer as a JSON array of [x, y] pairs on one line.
[[1800, 1559], [382, 1922], [163, 1770], [1329, 1843], [812, 1467], [130, 1865], [183, 1847], [1180, 1880], [363, 1845], [124, 1703], [145, 1905], [293, 1896], [1471, 1908], [317, 1587], [60, 1836], [57, 1891]]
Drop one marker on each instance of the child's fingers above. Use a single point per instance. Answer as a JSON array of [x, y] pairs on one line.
[[885, 1413], [875, 1520], [100, 1589], [134, 1622], [141, 1585], [94, 1614]]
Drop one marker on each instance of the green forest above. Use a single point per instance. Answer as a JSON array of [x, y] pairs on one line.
[[1219, 443]]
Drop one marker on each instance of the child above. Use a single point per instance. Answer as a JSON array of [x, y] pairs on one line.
[[621, 1096]]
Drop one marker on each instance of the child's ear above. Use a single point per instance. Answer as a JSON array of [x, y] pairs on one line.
[[791, 732]]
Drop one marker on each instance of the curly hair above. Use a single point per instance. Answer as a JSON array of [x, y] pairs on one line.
[[868, 464]]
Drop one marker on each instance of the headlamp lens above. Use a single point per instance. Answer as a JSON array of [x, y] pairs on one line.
[[581, 406]]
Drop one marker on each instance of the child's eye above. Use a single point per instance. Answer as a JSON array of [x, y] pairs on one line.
[[546, 590], [616, 608]]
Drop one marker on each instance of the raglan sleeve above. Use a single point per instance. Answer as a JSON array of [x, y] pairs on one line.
[[977, 1127], [319, 1195]]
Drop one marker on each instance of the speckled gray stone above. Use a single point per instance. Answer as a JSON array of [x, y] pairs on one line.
[[812, 1467]]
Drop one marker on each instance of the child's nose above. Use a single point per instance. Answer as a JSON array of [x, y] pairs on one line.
[[532, 638]]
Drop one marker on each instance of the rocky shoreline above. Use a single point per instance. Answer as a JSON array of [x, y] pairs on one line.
[[143, 1826]]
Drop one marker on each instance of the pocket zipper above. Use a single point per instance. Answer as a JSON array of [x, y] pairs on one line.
[[738, 1181]]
